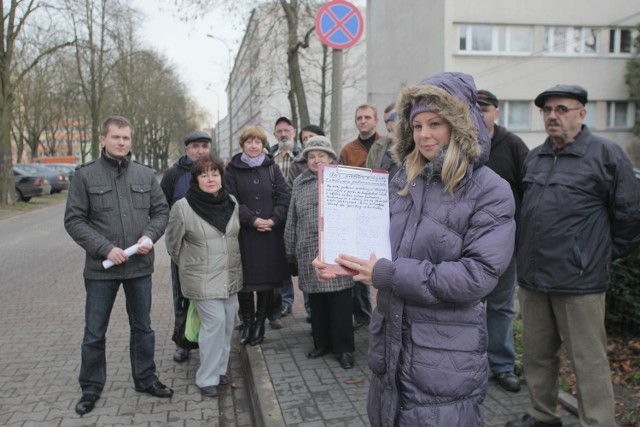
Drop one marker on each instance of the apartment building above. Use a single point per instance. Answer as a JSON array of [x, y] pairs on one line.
[[514, 49], [258, 87]]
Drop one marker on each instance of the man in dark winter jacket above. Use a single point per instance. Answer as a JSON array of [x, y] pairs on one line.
[[113, 204], [506, 158], [174, 184], [580, 211]]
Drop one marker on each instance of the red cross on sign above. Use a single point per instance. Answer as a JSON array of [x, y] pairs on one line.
[[339, 24]]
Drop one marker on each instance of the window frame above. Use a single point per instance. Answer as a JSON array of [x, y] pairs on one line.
[[504, 121], [569, 47], [615, 34], [495, 40], [612, 108]]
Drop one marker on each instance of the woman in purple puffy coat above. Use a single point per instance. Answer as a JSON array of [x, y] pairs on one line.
[[452, 235]]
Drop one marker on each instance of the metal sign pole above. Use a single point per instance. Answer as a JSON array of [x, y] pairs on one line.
[[336, 100]]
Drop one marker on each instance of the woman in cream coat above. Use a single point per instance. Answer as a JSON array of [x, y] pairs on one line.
[[202, 239]]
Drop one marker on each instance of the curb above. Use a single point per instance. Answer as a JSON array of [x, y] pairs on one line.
[[568, 402], [264, 403]]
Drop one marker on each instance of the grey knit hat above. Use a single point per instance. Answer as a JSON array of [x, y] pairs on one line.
[[320, 143]]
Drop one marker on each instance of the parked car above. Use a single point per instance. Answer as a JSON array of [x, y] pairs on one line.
[[66, 168], [29, 185], [59, 181]]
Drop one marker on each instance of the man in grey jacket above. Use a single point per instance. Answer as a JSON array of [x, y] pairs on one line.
[[580, 211], [113, 204]]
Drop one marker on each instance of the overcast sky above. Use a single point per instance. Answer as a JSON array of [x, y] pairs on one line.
[[202, 62]]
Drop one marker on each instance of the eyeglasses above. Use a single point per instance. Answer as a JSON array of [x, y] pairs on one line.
[[560, 110]]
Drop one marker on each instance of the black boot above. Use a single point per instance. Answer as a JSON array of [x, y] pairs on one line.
[[264, 303], [245, 300]]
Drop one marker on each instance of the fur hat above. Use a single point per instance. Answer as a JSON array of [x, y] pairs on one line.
[[454, 97]]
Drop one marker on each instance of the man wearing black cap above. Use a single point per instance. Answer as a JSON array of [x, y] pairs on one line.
[[506, 157], [174, 184], [580, 210]]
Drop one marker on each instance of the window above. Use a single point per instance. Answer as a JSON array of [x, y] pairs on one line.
[[495, 39], [617, 114], [620, 40], [590, 118], [515, 115], [571, 40]]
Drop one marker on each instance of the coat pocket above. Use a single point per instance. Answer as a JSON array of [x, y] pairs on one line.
[[377, 355], [445, 360], [101, 198], [141, 195]]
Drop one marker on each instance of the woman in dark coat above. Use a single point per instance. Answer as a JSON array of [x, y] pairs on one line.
[[452, 235], [257, 183]]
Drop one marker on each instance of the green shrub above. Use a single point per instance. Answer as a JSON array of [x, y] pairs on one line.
[[623, 296]]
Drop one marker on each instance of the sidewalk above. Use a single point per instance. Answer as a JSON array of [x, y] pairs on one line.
[[293, 390]]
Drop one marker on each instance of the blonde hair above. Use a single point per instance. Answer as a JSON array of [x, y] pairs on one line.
[[253, 132]]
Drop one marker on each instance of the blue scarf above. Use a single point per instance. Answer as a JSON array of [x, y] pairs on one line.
[[253, 162]]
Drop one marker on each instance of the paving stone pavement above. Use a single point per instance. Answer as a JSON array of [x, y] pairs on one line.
[[318, 392], [42, 318], [41, 322]]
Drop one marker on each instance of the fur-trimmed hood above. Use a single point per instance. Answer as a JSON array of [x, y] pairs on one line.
[[454, 97]]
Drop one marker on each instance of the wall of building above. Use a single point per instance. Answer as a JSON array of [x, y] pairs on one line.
[[430, 36], [259, 85]]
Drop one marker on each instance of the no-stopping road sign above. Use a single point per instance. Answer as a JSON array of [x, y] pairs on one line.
[[339, 24]]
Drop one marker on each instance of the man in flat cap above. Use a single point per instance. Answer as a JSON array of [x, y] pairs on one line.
[[580, 211], [506, 158], [174, 184]]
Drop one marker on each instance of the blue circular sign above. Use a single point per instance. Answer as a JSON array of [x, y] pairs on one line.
[[339, 24]]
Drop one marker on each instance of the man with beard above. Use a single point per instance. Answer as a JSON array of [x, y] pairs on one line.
[[283, 154], [174, 184]]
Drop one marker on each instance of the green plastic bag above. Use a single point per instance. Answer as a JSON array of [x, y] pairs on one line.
[[192, 328]]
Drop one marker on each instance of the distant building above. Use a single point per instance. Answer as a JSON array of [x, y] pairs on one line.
[[514, 49], [258, 87]]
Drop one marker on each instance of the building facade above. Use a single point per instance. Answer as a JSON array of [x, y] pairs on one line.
[[258, 88], [514, 49]]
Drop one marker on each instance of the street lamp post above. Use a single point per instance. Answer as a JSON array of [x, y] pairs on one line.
[[229, 94], [211, 36]]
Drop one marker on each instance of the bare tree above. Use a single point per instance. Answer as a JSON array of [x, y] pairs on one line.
[[297, 13], [151, 94], [16, 16], [36, 112], [95, 25]]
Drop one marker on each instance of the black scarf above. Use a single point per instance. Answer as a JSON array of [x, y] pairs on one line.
[[216, 210]]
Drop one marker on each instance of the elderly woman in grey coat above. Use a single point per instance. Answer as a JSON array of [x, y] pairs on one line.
[[452, 235], [330, 301], [202, 239]]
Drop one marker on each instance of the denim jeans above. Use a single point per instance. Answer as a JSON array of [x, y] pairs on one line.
[[101, 295], [287, 293], [500, 312], [361, 302]]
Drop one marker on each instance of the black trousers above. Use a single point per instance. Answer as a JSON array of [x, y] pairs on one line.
[[331, 321]]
